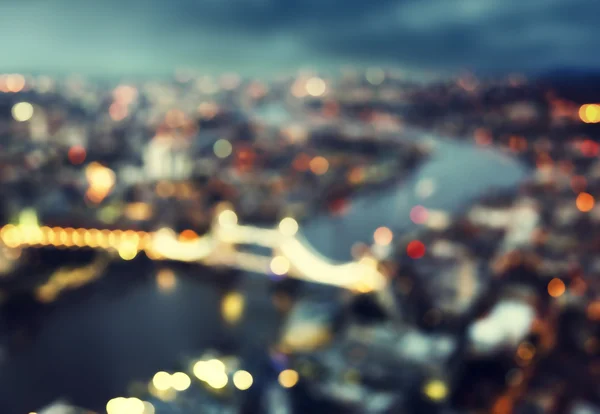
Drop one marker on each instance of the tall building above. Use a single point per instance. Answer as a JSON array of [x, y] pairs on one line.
[[168, 158]]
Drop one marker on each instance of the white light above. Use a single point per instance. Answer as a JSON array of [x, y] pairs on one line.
[[316, 87], [288, 226], [228, 218], [23, 111], [242, 380]]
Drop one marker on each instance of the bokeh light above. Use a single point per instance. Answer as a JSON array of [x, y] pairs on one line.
[[242, 380], [319, 165], [590, 113], [162, 381], [585, 202], [232, 307], [222, 148], [556, 288], [383, 236], [288, 226], [22, 111], [316, 86], [436, 390], [288, 378], [415, 249], [280, 265], [180, 381], [418, 215], [77, 154]]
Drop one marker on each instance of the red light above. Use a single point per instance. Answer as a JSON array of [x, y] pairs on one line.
[[77, 154], [338, 206], [415, 249], [589, 148], [418, 214]]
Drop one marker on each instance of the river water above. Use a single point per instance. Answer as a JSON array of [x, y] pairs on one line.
[[89, 350], [456, 174]]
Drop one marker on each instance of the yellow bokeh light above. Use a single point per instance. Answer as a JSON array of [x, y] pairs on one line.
[[128, 250], [215, 365], [218, 380], [180, 381], [148, 408], [232, 307], [436, 390], [316, 86], [22, 111], [288, 226], [100, 177], [132, 406], [590, 113], [242, 380], [206, 370], [222, 148], [288, 378], [200, 370], [122, 405], [280, 265], [162, 381], [115, 406]]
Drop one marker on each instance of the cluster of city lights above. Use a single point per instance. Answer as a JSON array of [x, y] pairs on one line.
[[13, 83], [121, 405], [214, 373], [127, 243]]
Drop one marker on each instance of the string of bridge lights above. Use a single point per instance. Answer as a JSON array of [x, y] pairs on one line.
[[292, 255]]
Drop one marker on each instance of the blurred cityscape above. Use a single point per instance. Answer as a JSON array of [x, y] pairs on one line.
[[351, 242]]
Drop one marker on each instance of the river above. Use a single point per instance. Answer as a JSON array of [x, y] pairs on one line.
[[89, 350]]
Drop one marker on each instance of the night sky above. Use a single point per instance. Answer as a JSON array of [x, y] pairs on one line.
[[267, 36]]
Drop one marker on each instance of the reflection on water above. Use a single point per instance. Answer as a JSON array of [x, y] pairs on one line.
[[91, 348], [458, 173]]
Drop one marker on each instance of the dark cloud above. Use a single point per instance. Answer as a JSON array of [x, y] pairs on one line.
[[154, 35]]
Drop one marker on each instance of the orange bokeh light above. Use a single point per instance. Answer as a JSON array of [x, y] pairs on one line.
[[556, 288], [15, 83], [319, 165], [188, 235], [585, 202]]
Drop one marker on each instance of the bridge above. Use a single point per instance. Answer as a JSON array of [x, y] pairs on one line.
[[292, 256]]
